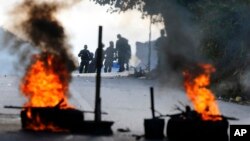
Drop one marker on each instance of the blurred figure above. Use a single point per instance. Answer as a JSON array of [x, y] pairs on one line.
[[127, 55], [109, 55], [95, 58], [92, 64], [121, 48], [85, 58], [102, 52], [159, 46]]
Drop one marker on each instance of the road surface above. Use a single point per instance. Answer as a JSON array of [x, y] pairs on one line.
[[125, 99]]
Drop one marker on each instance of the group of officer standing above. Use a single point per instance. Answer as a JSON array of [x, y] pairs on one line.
[[122, 52]]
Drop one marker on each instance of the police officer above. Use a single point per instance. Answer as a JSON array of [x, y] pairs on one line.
[[159, 46], [127, 55], [121, 46], [109, 57], [85, 58]]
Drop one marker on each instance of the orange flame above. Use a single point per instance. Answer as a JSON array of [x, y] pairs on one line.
[[44, 86], [36, 124], [196, 84]]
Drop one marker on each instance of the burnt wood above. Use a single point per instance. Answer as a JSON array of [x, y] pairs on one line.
[[154, 128], [181, 127], [70, 120], [20, 107]]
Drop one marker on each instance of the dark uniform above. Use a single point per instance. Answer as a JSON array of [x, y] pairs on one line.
[[121, 46], [95, 59], [160, 45], [109, 57], [85, 58], [92, 64], [128, 56]]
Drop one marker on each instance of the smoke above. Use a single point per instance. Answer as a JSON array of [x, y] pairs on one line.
[[229, 27], [245, 80], [36, 22], [183, 40], [14, 51], [201, 32]]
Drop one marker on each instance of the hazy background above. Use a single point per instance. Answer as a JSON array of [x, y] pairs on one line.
[[81, 24]]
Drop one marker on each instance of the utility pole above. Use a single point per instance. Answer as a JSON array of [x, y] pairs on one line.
[[98, 78]]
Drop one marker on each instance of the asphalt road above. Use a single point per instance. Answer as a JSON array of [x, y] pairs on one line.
[[125, 99]]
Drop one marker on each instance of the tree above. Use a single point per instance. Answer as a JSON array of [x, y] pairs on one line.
[[198, 30]]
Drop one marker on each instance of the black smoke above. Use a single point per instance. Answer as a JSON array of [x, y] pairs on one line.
[[36, 22], [215, 32]]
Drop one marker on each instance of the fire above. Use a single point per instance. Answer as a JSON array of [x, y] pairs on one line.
[[196, 83], [37, 124], [45, 85]]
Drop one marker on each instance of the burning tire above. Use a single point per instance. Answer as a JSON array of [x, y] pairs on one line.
[[51, 119], [180, 129]]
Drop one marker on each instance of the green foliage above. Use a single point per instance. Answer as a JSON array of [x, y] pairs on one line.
[[221, 22], [121, 5]]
